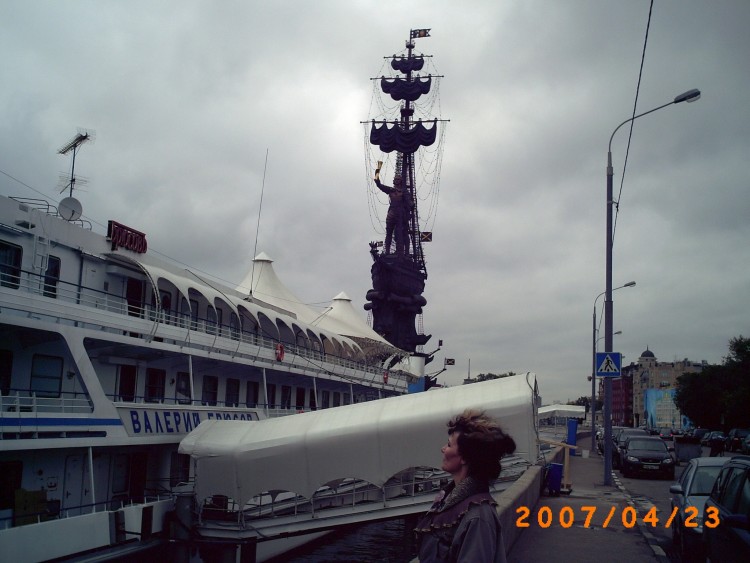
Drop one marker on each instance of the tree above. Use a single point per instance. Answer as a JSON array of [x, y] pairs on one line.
[[718, 396], [585, 401], [488, 376]]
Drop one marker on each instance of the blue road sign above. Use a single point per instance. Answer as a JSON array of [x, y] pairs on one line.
[[608, 364]]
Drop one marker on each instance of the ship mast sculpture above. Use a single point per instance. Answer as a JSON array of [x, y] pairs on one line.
[[405, 133]]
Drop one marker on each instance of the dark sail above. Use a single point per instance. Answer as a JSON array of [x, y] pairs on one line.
[[402, 90], [396, 139], [407, 65]]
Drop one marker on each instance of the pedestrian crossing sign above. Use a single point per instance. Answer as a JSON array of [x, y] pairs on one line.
[[608, 364]]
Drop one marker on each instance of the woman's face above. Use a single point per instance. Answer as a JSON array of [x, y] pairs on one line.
[[452, 460]]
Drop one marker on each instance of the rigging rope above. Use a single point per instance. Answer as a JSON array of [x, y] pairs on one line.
[[630, 134]]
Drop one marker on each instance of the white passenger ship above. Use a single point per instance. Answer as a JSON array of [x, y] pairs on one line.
[[109, 356]]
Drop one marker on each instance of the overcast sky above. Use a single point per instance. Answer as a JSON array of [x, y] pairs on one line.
[[188, 97]]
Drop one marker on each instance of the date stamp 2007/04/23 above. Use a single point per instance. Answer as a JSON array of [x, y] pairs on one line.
[[545, 517]]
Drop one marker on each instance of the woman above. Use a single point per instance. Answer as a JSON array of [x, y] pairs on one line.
[[462, 525]]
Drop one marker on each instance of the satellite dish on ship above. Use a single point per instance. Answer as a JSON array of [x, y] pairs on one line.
[[70, 209]]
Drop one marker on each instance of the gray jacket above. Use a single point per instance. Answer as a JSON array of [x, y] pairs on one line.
[[467, 533]]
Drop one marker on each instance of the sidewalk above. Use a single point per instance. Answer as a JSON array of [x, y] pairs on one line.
[[546, 539]]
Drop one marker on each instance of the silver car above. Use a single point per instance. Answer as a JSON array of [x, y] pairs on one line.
[[690, 494]]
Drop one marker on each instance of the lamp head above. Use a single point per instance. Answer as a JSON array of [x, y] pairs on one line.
[[629, 284], [689, 96]]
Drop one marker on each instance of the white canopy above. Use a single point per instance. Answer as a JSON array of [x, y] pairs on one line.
[[372, 441], [571, 411]]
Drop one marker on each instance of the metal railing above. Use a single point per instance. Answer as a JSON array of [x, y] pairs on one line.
[[161, 324]]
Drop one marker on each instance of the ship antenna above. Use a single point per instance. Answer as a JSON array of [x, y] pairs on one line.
[[73, 145], [257, 227]]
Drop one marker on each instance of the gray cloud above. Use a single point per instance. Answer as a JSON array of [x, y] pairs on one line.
[[187, 98]]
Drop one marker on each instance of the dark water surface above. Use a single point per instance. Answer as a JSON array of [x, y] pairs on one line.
[[391, 541]]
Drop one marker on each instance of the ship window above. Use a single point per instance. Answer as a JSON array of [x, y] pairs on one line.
[[46, 376], [253, 394], [325, 400], [165, 304], [234, 324], [120, 474], [193, 314], [286, 396], [179, 469], [211, 320], [10, 265], [300, 398], [347, 399], [10, 482], [336, 399], [51, 276], [233, 392], [127, 381], [155, 379], [313, 400], [271, 395], [210, 393], [134, 297], [182, 390], [6, 371]]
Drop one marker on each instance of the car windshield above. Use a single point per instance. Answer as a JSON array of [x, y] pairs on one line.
[[625, 435], [703, 481], [648, 445]]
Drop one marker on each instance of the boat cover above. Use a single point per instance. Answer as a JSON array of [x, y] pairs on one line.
[[572, 411], [372, 441]]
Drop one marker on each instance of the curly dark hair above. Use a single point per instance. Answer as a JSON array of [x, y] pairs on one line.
[[481, 442]]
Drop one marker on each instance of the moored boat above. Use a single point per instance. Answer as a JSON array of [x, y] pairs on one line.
[[110, 355]]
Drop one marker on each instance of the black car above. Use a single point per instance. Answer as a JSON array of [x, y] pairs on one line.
[[726, 514], [622, 437], [690, 494], [734, 440], [647, 454]]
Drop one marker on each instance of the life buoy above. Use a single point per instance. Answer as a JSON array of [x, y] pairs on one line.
[[385, 377], [280, 352]]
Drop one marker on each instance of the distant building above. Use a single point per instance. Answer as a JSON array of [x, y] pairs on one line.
[[653, 385], [622, 397]]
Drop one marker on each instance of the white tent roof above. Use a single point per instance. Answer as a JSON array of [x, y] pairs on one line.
[[341, 318], [263, 283], [572, 411], [372, 441]]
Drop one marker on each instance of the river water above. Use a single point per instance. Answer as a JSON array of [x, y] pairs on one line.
[[391, 541]]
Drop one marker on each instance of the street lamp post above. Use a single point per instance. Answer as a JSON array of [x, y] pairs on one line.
[[593, 367], [689, 96]]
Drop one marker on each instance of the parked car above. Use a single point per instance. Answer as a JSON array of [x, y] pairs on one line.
[[746, 445], [734, 440], [622, 437], [699, 433], [647, 454], [600, 437], [666, 433], [712, 436], [728, 506], [690, 494]]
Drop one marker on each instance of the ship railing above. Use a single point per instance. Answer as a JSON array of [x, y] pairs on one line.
[[417, 483], [24, 400], [46, 207], [51, 510], [227, 338], [412, 483]]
